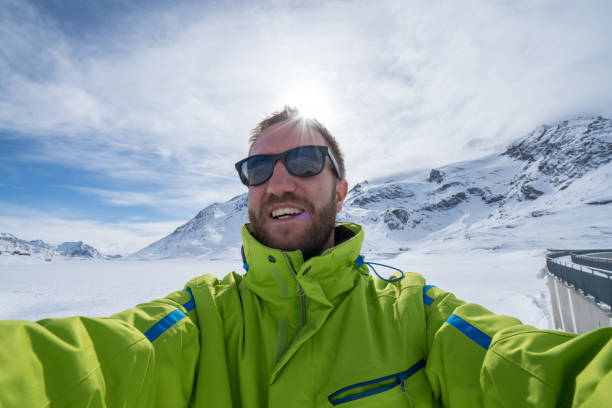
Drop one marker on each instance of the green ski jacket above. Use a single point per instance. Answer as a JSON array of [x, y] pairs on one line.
[[290, 333]]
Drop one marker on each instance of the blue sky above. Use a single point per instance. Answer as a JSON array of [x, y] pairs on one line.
[[120, 120]]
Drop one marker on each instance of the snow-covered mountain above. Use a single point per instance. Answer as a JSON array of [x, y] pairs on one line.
[[214, 233], [549, 188], [79, 249], [10, 245]]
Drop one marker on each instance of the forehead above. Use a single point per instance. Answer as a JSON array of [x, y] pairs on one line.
[[284, 136]]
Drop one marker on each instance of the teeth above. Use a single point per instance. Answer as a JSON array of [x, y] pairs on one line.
[[286, 211]]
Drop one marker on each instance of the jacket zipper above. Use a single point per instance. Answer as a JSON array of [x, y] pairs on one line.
[[398, 379], [300, 294]]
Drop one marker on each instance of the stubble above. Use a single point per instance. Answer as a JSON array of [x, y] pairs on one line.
[[313, 238]]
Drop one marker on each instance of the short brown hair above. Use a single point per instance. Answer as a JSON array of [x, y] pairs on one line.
[[289, 113]]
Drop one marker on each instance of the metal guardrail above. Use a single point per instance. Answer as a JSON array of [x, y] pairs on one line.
[[595, 283], [592, 261], [564, 252]]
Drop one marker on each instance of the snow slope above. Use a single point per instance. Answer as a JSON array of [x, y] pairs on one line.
[[213, 233]]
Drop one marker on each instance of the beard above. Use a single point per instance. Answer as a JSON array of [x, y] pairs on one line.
[[312, 240]]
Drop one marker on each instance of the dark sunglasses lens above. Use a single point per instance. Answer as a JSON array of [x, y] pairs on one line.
[[257, 169], [305, 161]]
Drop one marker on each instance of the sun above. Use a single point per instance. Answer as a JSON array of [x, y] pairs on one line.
[[312, 100]]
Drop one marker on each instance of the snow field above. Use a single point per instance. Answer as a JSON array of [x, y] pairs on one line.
[[504, 282]]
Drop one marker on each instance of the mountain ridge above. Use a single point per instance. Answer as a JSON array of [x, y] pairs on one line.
[[11, 245], [558, 169]]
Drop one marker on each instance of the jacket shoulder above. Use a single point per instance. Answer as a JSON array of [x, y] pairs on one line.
[[412, 282], [219, 296], [212, 284]]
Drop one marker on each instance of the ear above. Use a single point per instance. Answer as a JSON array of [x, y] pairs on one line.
[[341, 191]]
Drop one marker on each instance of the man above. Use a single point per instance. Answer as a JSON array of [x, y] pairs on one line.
[[306, 326]]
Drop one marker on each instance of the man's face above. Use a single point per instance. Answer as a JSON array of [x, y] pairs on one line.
[[317, 198]]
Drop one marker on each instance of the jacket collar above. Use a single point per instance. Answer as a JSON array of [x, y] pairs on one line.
[[274, 274]]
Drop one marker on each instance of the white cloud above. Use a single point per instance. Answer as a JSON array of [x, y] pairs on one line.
[[170, 201], [408, 84]]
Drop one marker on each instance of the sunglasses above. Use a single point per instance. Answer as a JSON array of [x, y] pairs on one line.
[[303, 161]]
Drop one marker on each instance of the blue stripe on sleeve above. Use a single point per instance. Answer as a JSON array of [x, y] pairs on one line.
[[189, 306], [472, 332], [426, 299], [164, 324]]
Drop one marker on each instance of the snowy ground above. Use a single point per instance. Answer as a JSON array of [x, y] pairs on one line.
[[505, 282]]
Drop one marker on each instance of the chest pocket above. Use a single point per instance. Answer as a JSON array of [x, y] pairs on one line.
[[376, 392]]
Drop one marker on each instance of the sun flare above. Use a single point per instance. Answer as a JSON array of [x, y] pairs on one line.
[[312, 100]]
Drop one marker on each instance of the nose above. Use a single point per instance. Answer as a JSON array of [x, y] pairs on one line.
[[281, 181]]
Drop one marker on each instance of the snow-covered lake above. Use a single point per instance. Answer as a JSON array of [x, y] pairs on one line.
[[507, 282]]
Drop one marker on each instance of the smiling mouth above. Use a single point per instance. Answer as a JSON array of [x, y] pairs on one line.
[[286, 213]]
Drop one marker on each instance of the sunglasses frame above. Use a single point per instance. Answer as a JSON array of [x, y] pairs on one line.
[[283, 157]]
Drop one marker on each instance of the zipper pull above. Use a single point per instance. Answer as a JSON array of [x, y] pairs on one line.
[[402, 379]]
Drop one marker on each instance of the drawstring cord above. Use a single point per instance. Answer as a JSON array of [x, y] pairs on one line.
[[245, 265], [360, 262]]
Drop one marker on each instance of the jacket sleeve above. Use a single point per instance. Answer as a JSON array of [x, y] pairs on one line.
[[477, 358], [143, 357]]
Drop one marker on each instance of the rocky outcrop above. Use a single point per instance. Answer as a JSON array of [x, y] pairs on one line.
[[365, 197], [435, 176], [529, 193]]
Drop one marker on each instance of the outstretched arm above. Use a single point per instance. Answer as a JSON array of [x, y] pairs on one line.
[[477, 358], [142, 357]]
